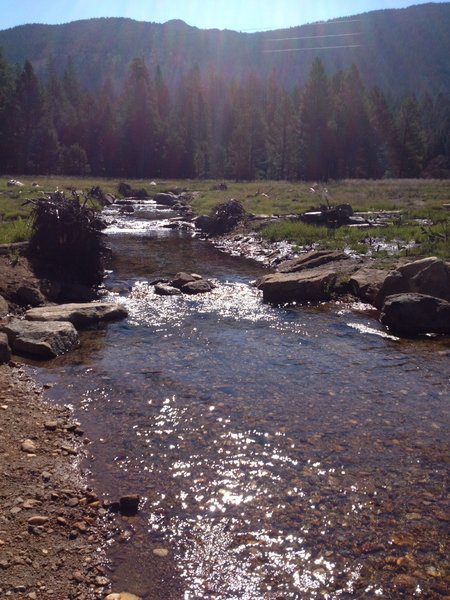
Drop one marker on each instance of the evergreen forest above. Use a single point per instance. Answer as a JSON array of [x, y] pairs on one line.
[[331, 127]]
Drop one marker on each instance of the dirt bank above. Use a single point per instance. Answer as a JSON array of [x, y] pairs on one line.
[[52, 527]]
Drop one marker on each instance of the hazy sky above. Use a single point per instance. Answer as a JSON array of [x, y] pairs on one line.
[[240, 15]]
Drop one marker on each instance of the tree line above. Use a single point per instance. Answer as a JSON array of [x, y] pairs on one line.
[[207, 127]]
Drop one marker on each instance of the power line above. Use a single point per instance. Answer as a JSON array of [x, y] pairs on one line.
[[313, 48], [310, 37]]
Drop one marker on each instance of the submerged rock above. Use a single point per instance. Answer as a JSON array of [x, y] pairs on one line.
[[80, 315], [415, 314], [41, 340]]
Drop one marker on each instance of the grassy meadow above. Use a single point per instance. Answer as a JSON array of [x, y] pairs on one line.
[[422, 219]]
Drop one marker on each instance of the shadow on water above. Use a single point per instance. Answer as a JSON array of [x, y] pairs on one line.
[[280, 452]]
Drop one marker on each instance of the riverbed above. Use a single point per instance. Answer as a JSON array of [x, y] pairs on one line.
[[280, 452]]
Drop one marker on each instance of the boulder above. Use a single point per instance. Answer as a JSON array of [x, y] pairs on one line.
[[163, 289], [183, 278], [80, 315], [41, 340], [313, 277], [27, 295], [311, 285], [4, 308], [366, 283], [5, 350], [201, 286], [415, 314], [166, 199], [310, 260], [429, 276]]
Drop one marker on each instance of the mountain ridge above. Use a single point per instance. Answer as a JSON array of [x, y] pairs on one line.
[[398, 50]]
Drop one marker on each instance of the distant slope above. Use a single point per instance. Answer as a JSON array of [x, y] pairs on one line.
[[399, 50]]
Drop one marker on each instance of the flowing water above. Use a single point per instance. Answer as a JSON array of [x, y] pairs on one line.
[[290, 452]]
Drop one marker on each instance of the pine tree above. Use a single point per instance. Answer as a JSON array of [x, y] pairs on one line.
[[140, 125], [28, 111], [316, 133]]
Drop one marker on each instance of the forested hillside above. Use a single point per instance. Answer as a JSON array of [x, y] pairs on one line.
[[172, 114], [400, 51]]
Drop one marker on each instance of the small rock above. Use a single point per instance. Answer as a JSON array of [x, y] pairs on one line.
[[29, 446], [122, 596], [78, 577], [51, 425], [38, 520], [129, 505], [72, 502], [101, 581], [161, 552], [69, 449]]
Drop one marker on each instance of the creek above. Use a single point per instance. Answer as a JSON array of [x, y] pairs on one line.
[[280, 452]]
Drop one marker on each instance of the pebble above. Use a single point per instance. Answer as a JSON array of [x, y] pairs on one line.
[[37, 520], [161, 552], [51, 425], [69, 449], [101, 581], [29, 446], [122, 596]]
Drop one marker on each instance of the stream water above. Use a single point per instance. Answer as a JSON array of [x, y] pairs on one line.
[[291, 452]]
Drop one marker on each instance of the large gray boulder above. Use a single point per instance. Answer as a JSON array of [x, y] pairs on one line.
[[310, 285], [80, 315], [41, 340], [415, 314], [429, 276], [313, 277]]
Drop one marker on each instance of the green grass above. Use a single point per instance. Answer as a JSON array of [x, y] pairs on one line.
[[417, 199], [17, 230], [431, 240]]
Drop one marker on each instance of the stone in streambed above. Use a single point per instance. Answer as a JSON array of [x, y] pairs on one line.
[[166, 290], [41, 340], [201, 286], [182, 278], [415, 314], [129, 505], [79, 314]]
